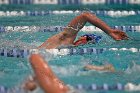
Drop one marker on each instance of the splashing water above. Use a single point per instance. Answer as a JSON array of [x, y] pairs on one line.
[[66, 71], [135, 68]]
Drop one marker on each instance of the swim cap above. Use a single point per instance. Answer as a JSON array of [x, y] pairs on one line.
[[93, 37]]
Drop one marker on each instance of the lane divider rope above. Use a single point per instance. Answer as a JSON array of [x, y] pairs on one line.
[[70, 2], [60, 28], [112, 13], [92, 87], [23, 53]]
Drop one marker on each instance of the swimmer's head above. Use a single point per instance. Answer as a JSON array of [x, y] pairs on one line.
[[92, 37], [82, 38], [88, 38]]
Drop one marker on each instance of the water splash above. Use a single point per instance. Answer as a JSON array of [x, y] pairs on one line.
[[134, 69], [65, 71], [46, 55]]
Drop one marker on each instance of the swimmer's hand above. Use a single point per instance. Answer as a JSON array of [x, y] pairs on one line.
[[30, 84], [118, 35]]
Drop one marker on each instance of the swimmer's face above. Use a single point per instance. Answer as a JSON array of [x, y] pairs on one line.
[[82, 37]]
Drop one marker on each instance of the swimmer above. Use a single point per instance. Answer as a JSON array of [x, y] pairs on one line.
[[47, 80], [45, 77], [108, 68], [68, 36]]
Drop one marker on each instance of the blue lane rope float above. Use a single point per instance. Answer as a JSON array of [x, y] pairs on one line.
[[60, 28], [92, 87], [14, 53], [23, 53], [45, 13]]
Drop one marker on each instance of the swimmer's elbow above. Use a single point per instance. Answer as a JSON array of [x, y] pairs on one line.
[[87, 14]]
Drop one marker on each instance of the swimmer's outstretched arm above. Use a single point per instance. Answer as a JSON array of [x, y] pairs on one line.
[[45, 77], [69, 34], [108, 67], [79, 22]]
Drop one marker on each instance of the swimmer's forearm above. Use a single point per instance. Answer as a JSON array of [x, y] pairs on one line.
[[93, 19], [91, 67], [47, 80], [43, 45]]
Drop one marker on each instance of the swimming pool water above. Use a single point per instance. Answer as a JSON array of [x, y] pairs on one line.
[[13, 71]]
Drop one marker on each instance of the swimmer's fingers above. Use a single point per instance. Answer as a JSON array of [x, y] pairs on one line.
[[122, 35], [118, 35], [125, 37], [122, 38]]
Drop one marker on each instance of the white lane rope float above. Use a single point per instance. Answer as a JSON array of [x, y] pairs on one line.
[[23, 53], [60, 28], [111, 13]]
